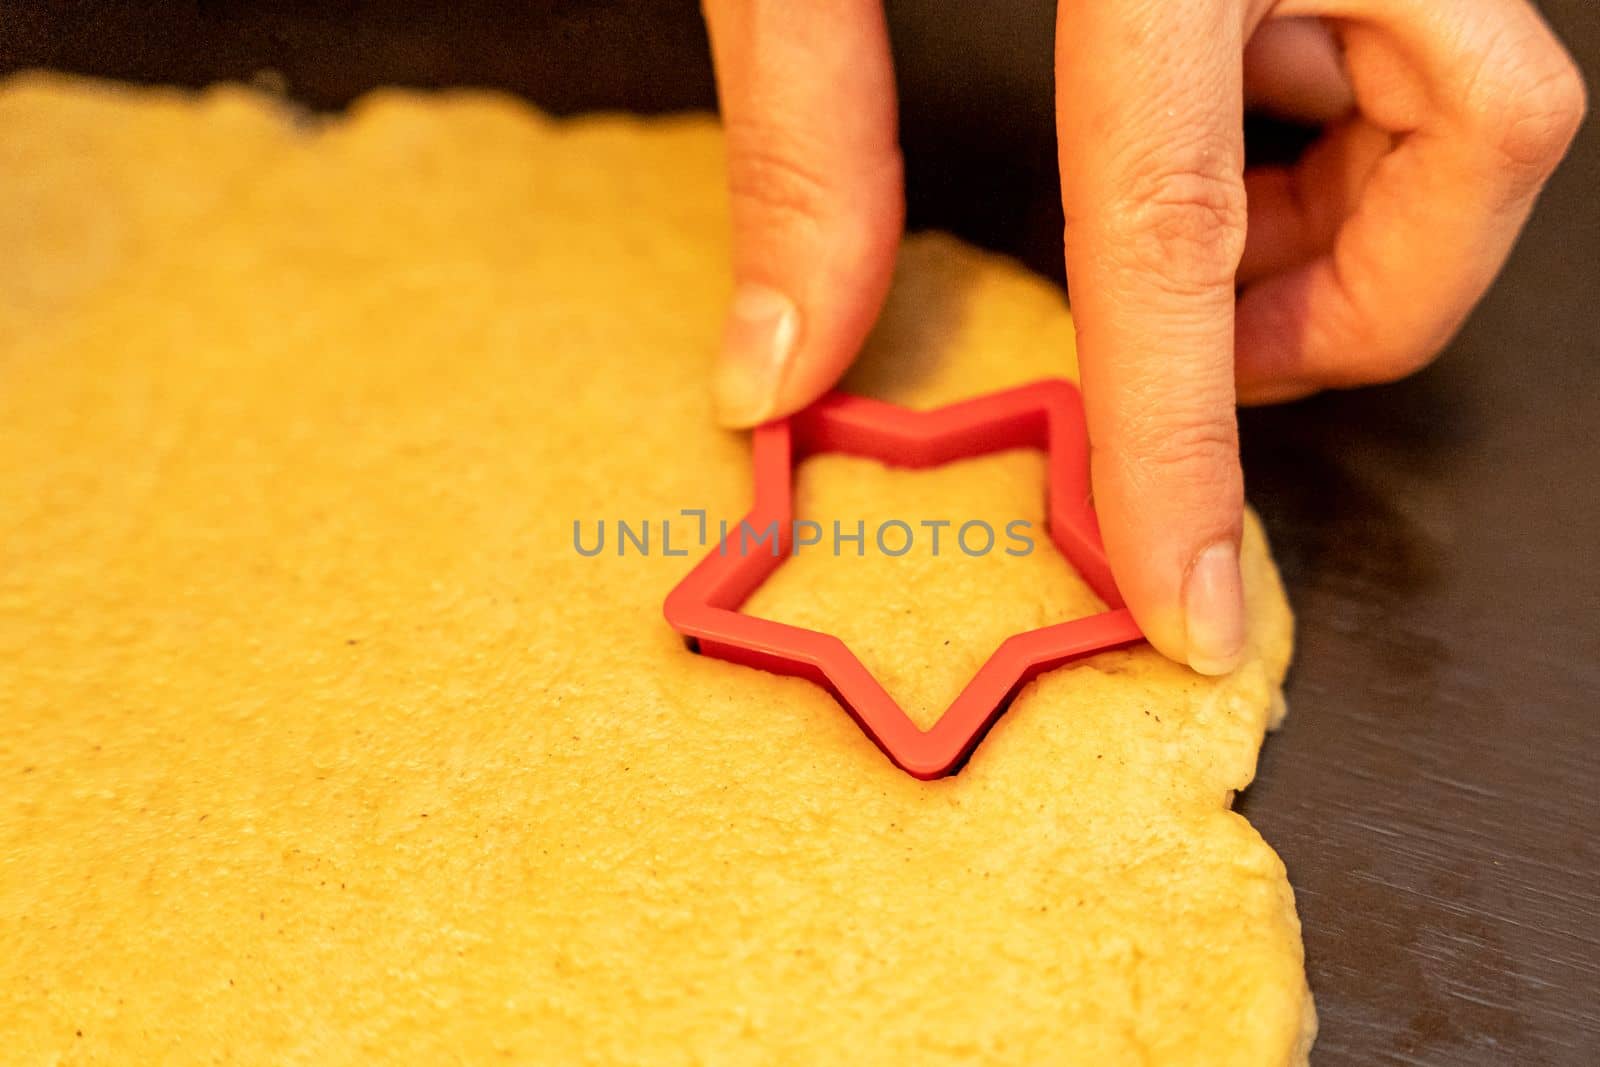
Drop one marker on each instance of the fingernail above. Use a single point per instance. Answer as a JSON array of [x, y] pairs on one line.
[[1213, 606], [757, 344]]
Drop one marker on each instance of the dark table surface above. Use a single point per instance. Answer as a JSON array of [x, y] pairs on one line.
[[1434, 792]]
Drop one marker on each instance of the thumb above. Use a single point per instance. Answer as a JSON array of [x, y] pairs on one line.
[[807, 95]]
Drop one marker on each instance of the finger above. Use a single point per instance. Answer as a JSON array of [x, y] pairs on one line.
[[1292, 69], [1295, 214], [1296, 210], [1482, 102], [1149, 115], [807, 95]]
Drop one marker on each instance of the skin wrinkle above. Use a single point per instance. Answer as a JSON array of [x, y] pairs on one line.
[[777, 181]]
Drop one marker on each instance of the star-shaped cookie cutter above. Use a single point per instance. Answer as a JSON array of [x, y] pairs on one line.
[[1047, 415]]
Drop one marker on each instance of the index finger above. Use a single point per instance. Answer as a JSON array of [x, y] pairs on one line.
[[1149, 104]]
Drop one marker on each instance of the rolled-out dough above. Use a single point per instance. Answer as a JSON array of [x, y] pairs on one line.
[[320, 743]]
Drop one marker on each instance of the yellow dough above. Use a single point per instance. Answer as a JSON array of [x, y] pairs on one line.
[[320, 743]]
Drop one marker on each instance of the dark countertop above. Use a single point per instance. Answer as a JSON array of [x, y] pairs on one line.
[[1434, 792]]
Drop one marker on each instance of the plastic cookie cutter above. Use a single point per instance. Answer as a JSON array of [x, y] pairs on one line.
[[1047, 415]]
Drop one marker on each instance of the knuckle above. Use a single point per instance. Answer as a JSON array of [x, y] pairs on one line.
[[1379, 364], [1360, 350], [769, 175], [1364, 354], [1192, 449], [1532, 100], [1184, 225]]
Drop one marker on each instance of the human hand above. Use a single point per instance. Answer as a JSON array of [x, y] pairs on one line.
[[1195, 284]]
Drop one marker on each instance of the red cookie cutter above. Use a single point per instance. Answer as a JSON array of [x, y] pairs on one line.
[[1047, 415]]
